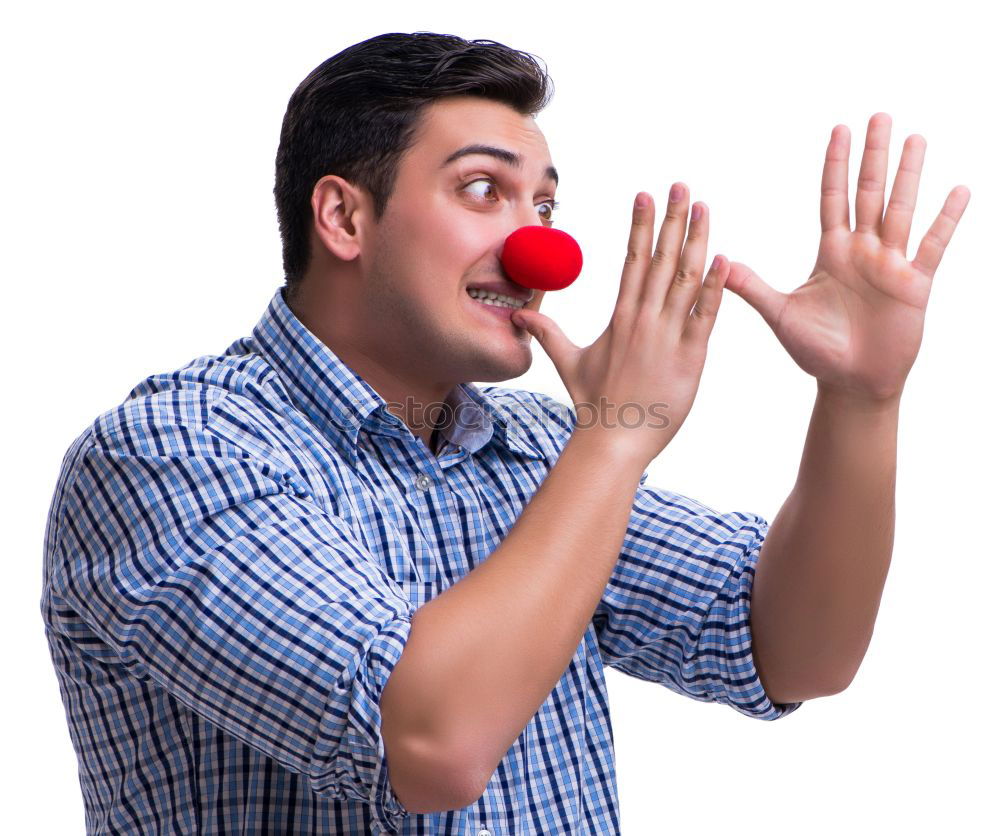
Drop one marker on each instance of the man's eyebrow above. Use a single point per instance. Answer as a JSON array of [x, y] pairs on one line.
[[509, 157]]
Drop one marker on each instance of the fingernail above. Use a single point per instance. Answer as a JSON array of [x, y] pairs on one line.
[[717, 263], [641, 200], [675, 193], [696, 212]]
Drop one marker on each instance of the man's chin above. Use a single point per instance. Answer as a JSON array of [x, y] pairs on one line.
[[499, 371]]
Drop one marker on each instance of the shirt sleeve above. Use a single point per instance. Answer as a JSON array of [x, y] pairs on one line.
[[211, 572], [676, 609]]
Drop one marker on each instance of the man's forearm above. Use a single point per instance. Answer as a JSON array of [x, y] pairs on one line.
[[484, 655], [825, 558]]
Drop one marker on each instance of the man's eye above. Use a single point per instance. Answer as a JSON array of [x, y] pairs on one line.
[[489, 194], [551, 206], [489, 183]]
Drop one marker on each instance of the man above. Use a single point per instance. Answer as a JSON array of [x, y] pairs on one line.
[[284, 594]]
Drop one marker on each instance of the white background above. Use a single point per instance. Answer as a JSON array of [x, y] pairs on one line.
[[139, 232]]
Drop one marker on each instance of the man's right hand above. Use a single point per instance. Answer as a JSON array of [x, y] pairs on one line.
[[634, 386]]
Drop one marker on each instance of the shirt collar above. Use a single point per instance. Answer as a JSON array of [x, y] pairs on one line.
[[340, 402]]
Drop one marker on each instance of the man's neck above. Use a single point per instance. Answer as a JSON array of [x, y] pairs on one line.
[[410, 404]]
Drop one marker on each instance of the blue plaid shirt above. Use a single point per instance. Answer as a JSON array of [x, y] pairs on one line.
[[233, 556]]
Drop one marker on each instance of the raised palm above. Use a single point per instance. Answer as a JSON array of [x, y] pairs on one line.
[[857, 322]]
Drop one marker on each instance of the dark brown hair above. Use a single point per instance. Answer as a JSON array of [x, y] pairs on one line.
[[356, 114]]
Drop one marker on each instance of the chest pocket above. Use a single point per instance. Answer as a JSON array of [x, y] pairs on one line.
[[381, 523]]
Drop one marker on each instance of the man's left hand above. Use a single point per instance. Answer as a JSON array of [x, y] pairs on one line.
[[857, 322]]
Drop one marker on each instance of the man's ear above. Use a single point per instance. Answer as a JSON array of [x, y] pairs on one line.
[[341, 211]]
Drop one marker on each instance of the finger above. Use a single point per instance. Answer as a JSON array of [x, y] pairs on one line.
[[899, 212], [549, 335], [686, 282], [834, 210], [663, 262], [640, 241], [706, 309], [763, 298], [934, 242], [871, 178]]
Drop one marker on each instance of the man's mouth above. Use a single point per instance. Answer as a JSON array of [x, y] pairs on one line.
[[498, 300]]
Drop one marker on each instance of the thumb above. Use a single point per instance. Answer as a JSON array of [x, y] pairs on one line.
[[763, 298], [549, 335]]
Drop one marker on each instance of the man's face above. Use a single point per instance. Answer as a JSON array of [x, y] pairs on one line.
[[442, 232]]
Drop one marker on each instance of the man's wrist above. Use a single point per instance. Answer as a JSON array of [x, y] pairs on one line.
[[842, 400], [615, 449]]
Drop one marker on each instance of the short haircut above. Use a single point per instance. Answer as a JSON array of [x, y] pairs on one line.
[[357, 113]]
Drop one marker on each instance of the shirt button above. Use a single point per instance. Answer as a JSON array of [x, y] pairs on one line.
[[423, 482], [484, 832]]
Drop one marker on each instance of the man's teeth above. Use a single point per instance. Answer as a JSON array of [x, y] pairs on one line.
[[499, 300]]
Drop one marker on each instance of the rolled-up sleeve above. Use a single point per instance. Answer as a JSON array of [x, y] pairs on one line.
[[213, 574], [676, 609]]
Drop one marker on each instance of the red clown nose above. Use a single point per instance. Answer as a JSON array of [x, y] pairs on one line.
[[542, 257]]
